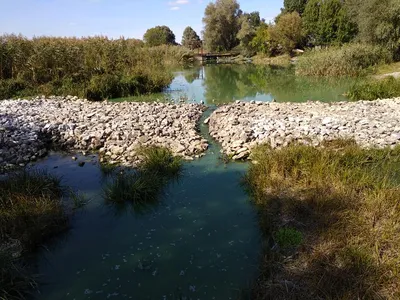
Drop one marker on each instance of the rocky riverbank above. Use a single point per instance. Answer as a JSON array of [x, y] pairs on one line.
[[241, 126], [29, 128]]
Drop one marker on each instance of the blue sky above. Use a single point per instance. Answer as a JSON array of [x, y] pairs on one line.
[[113, 18]]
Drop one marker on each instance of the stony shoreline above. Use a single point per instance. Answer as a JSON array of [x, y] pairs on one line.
[[239, 127], [29, 128]]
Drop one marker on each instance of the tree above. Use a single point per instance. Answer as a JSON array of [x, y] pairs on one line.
[[294, 5], [328, 22], [260, 42], [378, 22], [221, 25], [190, 38], [287, 33], [249, 22], [159, 35]]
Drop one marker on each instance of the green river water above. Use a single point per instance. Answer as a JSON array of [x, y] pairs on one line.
[[202, 240]]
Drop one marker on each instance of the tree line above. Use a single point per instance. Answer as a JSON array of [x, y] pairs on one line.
[[301, 23]]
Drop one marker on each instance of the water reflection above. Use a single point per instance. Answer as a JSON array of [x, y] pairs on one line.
[[218, 84]]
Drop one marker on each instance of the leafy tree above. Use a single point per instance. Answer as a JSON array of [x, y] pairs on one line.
[[260, 42], [328, 22], [287, 33], [190, 38], [378, 22], [249, 22], [159, 35], [221, 22], [294, 5]]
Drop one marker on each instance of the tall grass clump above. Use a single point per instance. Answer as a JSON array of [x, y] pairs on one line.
[[142, 187], [95, 68], [385, 88], [348, 60], [342, 204], [30, 212]]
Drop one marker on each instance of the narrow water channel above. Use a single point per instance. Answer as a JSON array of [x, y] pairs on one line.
[[200, 242]]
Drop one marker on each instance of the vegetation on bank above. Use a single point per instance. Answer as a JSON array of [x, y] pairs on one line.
[[348, 60], [30, 212], [96, 68], [372, 89], [330, 218], [141, 188]]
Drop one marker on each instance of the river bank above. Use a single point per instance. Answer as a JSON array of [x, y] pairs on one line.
[[29, 128], [241, 126]]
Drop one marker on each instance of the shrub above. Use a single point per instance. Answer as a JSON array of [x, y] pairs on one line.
[[349, 60], [388, 87]]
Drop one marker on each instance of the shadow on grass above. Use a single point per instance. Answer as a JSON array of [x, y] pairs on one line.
[[345, 203]]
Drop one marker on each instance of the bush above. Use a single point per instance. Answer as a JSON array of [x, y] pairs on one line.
[[345, 202], [349, 60], [388, 87]]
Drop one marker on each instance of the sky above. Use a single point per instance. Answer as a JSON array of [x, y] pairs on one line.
[[112, 18]]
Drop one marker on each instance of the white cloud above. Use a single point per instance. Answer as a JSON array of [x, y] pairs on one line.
[[178, 2], [175, 8]]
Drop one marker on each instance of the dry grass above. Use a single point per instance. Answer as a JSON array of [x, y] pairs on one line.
[[348, 60], [345, 201], [388, 68], [281, 60]]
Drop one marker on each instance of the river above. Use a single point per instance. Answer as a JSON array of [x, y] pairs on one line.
[[202, 240]]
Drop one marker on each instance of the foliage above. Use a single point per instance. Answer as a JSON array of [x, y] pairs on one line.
[[260, 41], [94, 68], [378, 22], [159, 35], [287, 33], [388, 87], [328, 22], [348, 60], [248, 23], [221, 25], [344, 201], [190, 39], [294, 6]]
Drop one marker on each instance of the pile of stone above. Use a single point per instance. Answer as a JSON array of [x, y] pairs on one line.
[[241, 126], [28, 128]]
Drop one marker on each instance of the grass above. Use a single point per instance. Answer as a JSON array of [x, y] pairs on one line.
[[388, 68], [95, 68], [339, 206], [30, 212], [141, 188], [372, 89], [160, 161], [281, 60], [348, 60], [15, 281]]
